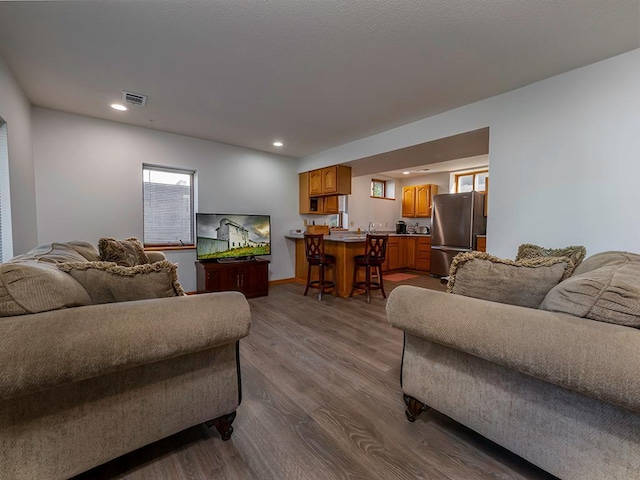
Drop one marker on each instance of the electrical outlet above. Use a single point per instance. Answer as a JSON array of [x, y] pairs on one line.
[[386, 224], [351, 224]]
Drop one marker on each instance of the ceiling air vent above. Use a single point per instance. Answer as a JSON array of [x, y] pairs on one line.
[[134, 98]]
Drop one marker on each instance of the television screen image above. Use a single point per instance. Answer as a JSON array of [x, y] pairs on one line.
[[221, 236]]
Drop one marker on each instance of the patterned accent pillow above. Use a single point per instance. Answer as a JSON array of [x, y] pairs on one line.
[[107, 282], [575, 252], [127, 253], [34, 287], [524, 283], [609, 293]]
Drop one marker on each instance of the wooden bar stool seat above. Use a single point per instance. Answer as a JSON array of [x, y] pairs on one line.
[[375, 249], [314, 251]]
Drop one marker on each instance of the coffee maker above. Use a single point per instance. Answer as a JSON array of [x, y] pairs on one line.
[[401, 227]]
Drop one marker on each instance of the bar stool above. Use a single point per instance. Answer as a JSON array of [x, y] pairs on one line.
[[375, 249], [314, 250]]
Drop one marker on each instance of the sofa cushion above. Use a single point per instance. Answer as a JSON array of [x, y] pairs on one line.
[[36, 286], [524, 283], [60, 252], [605, 258], [529, 251], [128, 253], [608, 293], [107, 282]]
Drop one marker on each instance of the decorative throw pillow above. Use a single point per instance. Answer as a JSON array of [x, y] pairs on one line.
[[609, 293], [59, 253], [107, 282], [34, 287], [575, 252], [606, 258], [127, 253], [524, 283]]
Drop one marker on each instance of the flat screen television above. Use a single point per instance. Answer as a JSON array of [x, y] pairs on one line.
[[222, 236]]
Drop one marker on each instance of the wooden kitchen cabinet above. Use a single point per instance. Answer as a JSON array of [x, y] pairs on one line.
[[423, 254], [315, 182], [417, 200], [330, 204], [408, 252], [481, 244], [334, 180], [392, 257], [309, 205], [424, 199], [330, 180], [250, 277], [408, 201]]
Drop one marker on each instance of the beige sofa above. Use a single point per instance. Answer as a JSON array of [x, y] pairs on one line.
[[557, 385], [83, 383]]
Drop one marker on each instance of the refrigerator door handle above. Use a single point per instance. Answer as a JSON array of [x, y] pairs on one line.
[[451, 249]]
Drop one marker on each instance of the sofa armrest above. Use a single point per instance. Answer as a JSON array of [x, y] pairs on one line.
[[155, 256], [597, 359], [46, 349]]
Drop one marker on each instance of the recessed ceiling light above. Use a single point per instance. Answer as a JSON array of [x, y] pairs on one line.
[[406, 173], [117, 106], [278, 144]]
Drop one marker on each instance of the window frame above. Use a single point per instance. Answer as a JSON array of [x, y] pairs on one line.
[[192, 189], [6, 227], [384, 188], [473, 174]]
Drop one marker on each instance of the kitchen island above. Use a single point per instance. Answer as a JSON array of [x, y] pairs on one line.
[[346, 246]]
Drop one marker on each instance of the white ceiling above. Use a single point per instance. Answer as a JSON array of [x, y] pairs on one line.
[[315, 74]]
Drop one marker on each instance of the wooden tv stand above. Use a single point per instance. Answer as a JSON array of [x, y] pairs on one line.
[[249, 277]]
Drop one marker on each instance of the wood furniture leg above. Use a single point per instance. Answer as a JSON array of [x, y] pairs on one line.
[[308, 279], [223, 425], [384, 295], [414, 407]]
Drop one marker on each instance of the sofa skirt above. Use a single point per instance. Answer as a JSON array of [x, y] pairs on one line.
[[563, 432], [63, 431]]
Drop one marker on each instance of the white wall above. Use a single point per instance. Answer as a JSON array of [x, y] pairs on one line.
[[89, 181], [564, 156], [364, 209], [15, 110]]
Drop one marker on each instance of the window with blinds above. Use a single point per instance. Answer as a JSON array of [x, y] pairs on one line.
[[168, 206], [6, 237]]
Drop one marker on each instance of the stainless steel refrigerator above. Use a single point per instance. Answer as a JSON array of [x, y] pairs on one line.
[[457, 219]]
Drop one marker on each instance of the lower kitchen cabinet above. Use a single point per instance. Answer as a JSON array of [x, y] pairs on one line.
[[250, 277], [392, 258], [423, 254], [481, 244], [408, 252]]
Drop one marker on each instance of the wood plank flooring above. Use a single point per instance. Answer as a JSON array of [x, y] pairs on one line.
[[322, 400]]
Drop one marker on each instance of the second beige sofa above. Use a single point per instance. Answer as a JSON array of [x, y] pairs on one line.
[[80, 386]]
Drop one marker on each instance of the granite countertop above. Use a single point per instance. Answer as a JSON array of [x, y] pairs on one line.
[[353, 237]]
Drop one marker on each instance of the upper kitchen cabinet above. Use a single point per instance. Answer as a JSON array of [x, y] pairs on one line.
[[315, 182], [335, 180], [417, 200], [320, 205], [409, 201]]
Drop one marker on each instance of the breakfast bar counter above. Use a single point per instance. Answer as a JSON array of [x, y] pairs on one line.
[[343, 247]]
